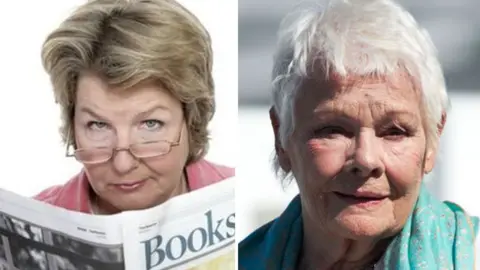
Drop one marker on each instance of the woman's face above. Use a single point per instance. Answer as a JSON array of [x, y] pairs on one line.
[[358, 153], [106, 117]]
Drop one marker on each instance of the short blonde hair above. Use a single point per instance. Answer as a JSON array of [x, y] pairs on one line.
[[129, 42]]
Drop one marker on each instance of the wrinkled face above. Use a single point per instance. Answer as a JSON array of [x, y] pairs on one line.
[[114, 118], [358, 153]]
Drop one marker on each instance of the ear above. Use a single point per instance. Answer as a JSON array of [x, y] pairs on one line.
[[431, 154], [283, 158]]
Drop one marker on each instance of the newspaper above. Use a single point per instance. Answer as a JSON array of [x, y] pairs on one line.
[[191, 231]]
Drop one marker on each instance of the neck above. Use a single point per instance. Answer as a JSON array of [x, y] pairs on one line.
[[329, 251]]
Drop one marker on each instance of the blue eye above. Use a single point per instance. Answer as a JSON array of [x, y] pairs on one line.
[[96, 125], [152, 124]]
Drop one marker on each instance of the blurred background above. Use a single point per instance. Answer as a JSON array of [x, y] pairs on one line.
[[453, 26]]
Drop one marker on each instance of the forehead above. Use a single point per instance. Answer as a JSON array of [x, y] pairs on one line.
[[381, 93], [93, 91]]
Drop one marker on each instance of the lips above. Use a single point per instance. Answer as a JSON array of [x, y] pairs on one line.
[[129, 183], [363, 195], [130, 186]]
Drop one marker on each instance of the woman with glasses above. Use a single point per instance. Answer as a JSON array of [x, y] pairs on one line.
[[134, 83]]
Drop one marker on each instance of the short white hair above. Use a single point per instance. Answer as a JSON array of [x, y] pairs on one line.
[[356, 37]]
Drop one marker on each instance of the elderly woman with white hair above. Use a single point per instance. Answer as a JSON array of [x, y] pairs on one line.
[[360, 103]]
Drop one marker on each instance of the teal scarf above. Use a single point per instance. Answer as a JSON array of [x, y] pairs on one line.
[[437, 235]]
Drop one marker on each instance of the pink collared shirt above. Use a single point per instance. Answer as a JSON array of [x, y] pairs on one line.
[[74, 195]]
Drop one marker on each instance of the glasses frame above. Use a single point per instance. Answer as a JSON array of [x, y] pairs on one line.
[[114, 150]]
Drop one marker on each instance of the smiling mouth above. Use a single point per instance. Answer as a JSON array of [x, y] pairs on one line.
[[361, 199]]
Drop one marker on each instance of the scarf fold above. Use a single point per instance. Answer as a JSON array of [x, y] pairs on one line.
[[437, 235]]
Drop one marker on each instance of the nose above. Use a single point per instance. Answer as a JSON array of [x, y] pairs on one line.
[[367, 161], [122, 159]]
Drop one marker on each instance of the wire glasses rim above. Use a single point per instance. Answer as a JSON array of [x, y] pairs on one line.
[[113, 150]]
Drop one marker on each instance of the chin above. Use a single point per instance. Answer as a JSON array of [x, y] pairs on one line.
[[360, 227]]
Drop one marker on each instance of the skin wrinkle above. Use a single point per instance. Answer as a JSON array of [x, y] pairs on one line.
[[347, 237]]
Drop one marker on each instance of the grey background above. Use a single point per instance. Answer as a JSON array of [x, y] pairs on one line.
[[453, 25]]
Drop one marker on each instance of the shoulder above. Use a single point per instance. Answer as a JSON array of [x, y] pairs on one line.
[[254, 242], [203, 173], [275, 245], [252, 249], [477, 239], [477, 248], [49, 195], [73, 195], [472, 224], [218, 170]]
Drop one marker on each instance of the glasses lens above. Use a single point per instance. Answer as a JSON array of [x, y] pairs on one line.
[[150, 149], [94, 155]]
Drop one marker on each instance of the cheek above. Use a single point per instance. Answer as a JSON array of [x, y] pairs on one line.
[[166, 166], [316, 162], [98, 175], [170, 165], [326, 158], [403, 164], [403, 169]]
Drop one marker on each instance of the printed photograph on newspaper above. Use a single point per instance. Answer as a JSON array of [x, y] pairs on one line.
[[26, 246]]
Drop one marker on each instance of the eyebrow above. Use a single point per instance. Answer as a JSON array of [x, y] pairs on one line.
[[328, 113], [400, 113], [89, 110], [152, 109]]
